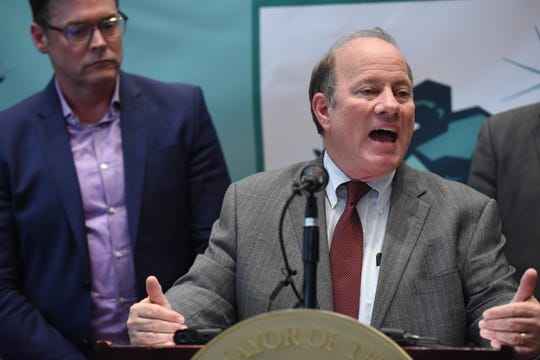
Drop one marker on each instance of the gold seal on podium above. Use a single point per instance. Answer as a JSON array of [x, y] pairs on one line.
[[301, 334]]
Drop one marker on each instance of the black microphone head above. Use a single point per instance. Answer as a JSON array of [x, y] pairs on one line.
[[313, 178]]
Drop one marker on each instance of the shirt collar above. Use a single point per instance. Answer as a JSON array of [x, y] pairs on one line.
[[336, 177], [71, 118]]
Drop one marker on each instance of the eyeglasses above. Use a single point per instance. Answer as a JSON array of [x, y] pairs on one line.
[[111, 28]]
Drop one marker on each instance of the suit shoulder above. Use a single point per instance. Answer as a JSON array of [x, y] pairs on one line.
[[17, 118], [521, 117], [442, 188], [162, 99], [272, 180], [146, 83], [24, 106]]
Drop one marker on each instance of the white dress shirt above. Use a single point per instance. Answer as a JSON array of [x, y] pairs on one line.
[[373, 210]]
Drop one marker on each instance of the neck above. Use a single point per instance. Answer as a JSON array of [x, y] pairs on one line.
[[89, 104]]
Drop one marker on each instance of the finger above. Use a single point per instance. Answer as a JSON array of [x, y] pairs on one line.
[[138, 337], [526, 286], [512, 311], [523, 343], [499, 338], [495, 344], [152, 324], [155, 293], [142, 325], [141, 311], [510, 324]]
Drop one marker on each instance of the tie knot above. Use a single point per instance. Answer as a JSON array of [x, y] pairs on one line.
[[355, 191]]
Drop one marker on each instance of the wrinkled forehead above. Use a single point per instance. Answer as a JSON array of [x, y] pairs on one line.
[[79, 9], [369, 54]]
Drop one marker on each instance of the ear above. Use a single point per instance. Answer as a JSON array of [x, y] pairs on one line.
[[39, 38], [321, 106]]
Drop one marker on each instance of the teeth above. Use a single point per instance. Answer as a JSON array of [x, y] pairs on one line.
[[383, 129]]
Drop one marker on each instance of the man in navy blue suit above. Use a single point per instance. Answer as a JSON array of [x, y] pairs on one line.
[[105, 178]]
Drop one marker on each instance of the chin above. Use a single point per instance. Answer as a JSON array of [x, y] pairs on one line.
[[103, 77], [382, 167], [365, 170]]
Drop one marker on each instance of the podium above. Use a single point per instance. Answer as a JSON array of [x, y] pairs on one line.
[[299, 334], [107, 351]]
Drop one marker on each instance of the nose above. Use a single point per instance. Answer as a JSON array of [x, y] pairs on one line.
[[387, 103], [97, 39]]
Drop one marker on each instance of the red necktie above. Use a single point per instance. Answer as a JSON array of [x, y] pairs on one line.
[[346, 253]]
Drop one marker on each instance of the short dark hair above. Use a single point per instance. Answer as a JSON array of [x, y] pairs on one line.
[[323, 76], [40, 11]]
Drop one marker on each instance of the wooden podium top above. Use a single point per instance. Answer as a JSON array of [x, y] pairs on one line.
[[299, 334], [107, 351]]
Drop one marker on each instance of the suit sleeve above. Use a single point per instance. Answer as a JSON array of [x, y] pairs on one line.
[[24, 332], [488, 279], [208, 174], [483, 173]]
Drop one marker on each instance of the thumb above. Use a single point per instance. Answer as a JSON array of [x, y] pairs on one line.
[[526, 286], [155, 293]]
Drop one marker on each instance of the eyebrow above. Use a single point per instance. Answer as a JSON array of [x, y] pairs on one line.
[[375, 80], [82, 22]]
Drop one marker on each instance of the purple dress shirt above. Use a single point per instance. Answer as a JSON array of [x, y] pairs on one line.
[[97, 153]]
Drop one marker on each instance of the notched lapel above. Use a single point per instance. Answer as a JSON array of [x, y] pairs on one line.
[[135, 130], [324, 282], [52, 134], [293, 238], [405, 222]]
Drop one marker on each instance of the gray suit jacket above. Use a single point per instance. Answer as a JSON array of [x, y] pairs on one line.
[[442, 263], [506, 167]]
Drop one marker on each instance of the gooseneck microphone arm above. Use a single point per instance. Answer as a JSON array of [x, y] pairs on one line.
[[313, 178]]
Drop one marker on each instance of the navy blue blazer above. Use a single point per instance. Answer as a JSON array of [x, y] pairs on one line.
[[175, 179]]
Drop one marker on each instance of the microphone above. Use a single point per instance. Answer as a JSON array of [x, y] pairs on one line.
[[313, 178]]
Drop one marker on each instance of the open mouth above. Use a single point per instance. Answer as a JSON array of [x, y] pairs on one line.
[[384, 135]]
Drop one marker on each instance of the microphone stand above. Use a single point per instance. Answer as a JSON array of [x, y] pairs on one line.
[[310, 252]]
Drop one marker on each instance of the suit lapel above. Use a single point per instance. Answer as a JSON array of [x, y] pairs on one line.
[[324, 281], [51, 129], [135, 129], [405, 221]]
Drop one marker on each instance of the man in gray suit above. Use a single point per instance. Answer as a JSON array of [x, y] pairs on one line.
[[506, 167], [442, 273]]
